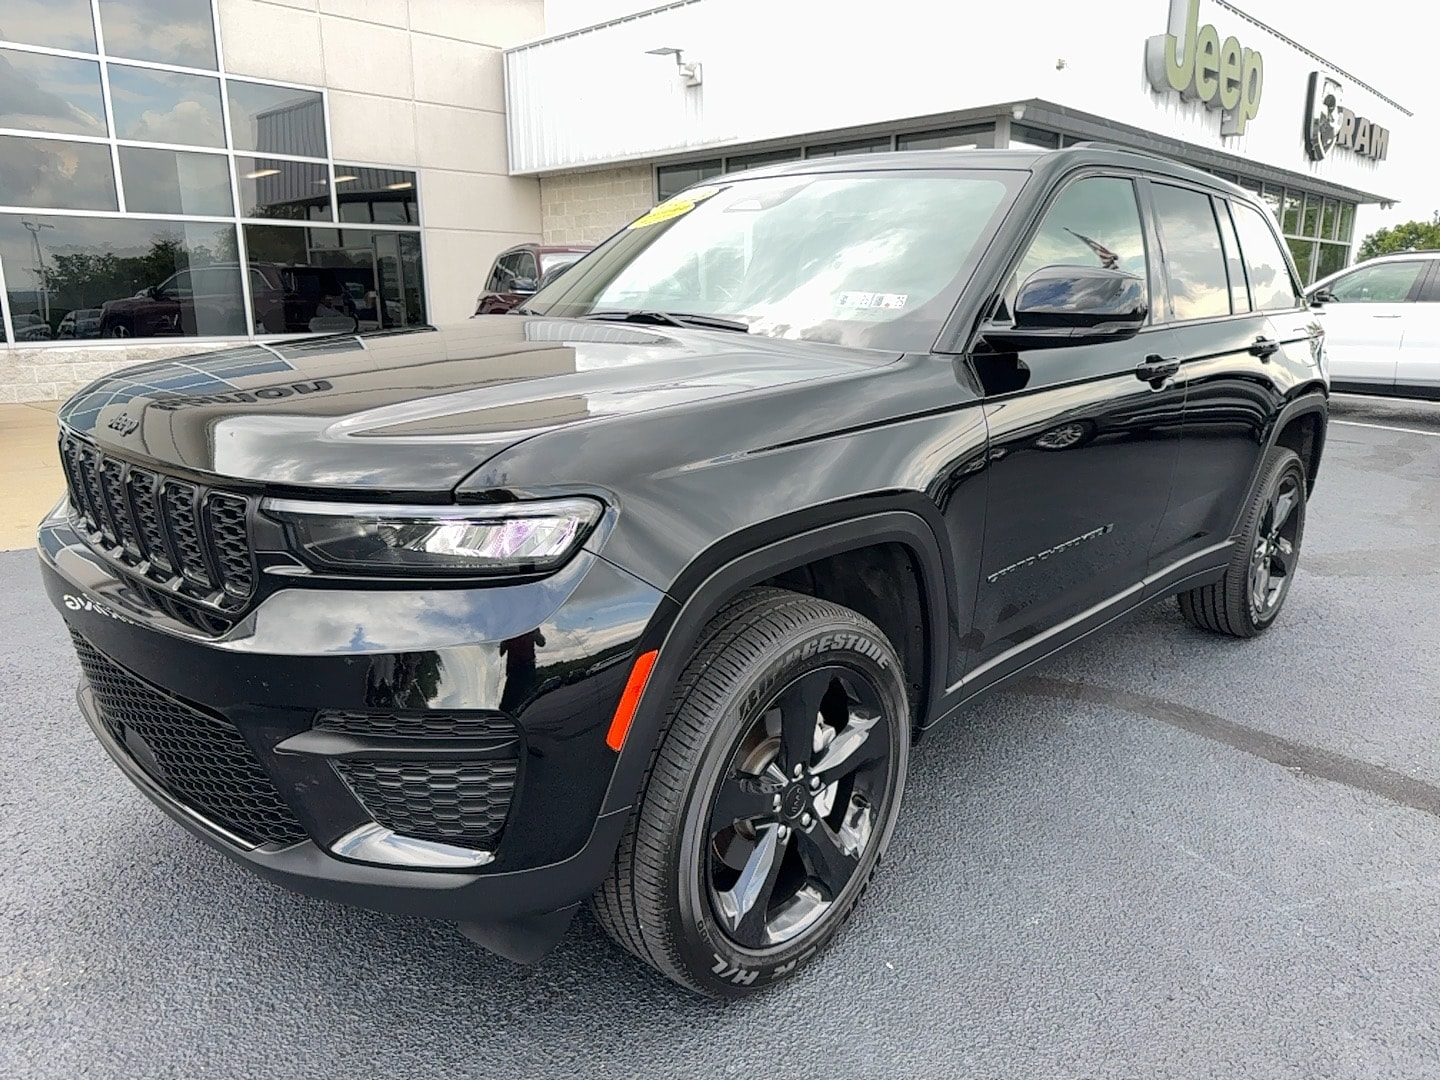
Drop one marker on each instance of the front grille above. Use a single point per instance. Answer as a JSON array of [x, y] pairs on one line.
[[420, 724], [187, 539], [199, 759], [464, 803]]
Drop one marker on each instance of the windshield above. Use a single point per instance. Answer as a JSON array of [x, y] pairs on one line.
[[871, 260]]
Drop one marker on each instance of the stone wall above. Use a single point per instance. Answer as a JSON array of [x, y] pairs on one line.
[[586, 207], [50, 374]]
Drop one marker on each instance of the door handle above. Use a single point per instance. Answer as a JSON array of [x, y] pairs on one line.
[[1387, 316], [1264, 348], [1157, 368]]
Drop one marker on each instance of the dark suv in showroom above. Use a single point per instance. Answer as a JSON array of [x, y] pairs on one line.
[[641, 600]]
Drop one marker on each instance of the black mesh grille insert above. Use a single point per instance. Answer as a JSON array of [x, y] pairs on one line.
[[451, 802], [419, 725], [159, 525], [145, 496], [231, 543], [199, 759], [177, 503]]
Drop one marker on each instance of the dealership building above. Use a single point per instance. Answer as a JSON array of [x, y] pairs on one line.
[[187, 174]]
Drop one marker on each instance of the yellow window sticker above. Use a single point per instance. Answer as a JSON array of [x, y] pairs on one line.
[[673, 207]]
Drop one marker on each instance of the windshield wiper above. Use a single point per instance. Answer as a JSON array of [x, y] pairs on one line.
[[670, 318]]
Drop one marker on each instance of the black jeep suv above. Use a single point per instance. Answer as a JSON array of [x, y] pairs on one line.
[[640, 595]]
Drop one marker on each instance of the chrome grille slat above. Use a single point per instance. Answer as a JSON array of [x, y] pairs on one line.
[[185, 540]]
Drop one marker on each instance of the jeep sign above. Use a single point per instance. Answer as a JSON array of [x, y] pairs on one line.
[[1193, 61]]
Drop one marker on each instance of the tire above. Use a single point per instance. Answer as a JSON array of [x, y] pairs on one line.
[[677, 894], [1237, 604]]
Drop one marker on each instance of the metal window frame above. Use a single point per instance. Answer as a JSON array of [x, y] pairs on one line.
[[102, 57]]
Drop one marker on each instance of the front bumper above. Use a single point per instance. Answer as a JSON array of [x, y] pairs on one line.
[[541, 665]]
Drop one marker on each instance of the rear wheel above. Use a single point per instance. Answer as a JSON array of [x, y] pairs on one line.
[[769, 800], [1249, 597]]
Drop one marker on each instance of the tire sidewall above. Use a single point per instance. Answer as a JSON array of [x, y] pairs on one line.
[[1287, 464], [712, 959]]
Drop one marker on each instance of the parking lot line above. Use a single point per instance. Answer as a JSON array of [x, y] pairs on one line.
[[1388, 427]]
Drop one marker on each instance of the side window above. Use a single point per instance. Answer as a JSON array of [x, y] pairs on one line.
[[1430, 291], [1271, 284], [1383, 283], [1234, 263], [178, 285], [526, 266], [1094, 222], [1194, 259]]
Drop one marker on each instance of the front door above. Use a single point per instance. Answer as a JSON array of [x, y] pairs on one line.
[[1082, 450], [1364, 321]]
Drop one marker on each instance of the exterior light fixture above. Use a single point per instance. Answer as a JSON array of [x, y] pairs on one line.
[[258, 173], [690, 73]]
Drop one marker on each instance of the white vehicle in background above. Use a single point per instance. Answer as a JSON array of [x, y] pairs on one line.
[[1382, 325]]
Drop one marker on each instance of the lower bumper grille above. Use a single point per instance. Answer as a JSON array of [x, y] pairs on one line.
[[199, 759], [463, 803]]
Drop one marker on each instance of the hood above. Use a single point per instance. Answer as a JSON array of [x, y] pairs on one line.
[[419, 410]]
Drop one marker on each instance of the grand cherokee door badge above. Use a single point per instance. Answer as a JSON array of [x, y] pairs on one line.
[[1041, 555]]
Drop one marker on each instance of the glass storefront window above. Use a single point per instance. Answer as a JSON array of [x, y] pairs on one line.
[[981, 136], [56, 174], [58, 24], [326, 279], [180, 32], [1303, 252], [120, 277], [754, 161], [1290, 223], [1311, 226], [54, 94], [670, 179], [857, 146], [1347, 222], [1327, 220], [175, 182], [166, 107], [276, 119], [384, 196], [1332, 258], [1024, 137], [276, 188], [1274, 198]]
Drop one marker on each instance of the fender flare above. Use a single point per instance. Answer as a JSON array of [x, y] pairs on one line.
[[1312, 399], [713, 578]]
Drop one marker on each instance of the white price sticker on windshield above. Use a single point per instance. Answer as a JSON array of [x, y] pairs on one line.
[[873, 299]]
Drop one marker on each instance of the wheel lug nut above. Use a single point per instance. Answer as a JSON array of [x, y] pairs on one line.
[[783, 833], [814, 783], [775, 803], [806, 819], [798, 770]]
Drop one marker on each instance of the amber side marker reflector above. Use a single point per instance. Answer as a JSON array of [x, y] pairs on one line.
[[634, 687]]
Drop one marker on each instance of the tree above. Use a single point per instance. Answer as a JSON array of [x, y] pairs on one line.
[[1409, 236]]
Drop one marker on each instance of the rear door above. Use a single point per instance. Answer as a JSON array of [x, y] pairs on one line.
[[1365, 322], [1082, 450], [1246, 340], [1418, 371]]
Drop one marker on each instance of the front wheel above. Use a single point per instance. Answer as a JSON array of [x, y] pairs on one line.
[[1249, 597], [769, 800]]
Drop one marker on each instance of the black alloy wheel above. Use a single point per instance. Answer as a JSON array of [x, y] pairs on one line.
[[796, 807], [1248, 598], [770, 798]]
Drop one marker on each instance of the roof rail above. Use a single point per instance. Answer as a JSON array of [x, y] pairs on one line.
[[1101, 144]]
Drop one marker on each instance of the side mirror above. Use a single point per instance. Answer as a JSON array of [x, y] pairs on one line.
[[524, 286], [1073, 305], [1321, 296]]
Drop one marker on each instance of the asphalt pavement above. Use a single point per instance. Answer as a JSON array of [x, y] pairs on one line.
[[1164, 854]]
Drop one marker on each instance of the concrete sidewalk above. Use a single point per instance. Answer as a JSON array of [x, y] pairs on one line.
[[33, 480]]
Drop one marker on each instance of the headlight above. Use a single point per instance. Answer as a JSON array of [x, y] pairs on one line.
[[519, 537]]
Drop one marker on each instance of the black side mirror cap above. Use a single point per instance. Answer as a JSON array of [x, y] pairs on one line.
[[1072, 305]]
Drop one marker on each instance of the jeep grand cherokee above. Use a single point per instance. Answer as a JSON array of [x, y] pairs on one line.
[[640, 596]]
